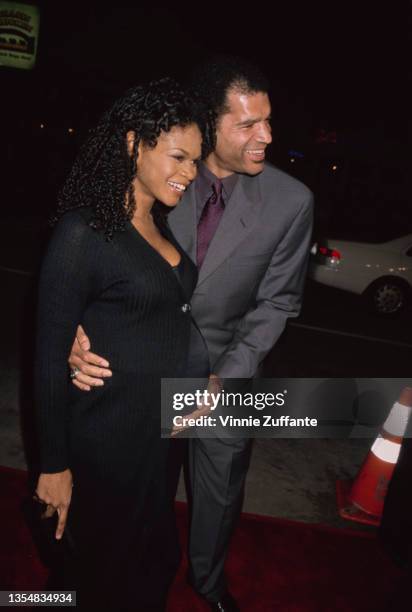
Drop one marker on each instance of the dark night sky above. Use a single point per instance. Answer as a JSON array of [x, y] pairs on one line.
[[341, 63], [337, 64]]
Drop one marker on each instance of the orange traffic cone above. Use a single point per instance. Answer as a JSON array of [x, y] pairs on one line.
[[363, 499]]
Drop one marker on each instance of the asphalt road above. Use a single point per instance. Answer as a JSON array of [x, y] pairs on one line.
[[336, 337]]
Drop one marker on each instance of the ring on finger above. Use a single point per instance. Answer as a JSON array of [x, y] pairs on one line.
[[74, 372]]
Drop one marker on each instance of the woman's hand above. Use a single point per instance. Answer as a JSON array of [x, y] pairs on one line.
[[56, 491]]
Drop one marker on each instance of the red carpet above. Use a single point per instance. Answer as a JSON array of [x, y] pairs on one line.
[[274, 564]]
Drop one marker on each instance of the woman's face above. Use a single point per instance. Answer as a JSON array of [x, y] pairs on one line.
[[165, 171]]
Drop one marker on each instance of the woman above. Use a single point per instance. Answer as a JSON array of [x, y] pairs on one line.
[[114, 266]]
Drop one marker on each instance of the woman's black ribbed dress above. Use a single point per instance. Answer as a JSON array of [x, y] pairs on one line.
[[133, 307]]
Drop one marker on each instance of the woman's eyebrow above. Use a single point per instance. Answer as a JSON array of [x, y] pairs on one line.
[[180, 149]]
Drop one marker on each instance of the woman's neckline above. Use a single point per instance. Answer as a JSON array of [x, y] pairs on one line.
[[134, 228]]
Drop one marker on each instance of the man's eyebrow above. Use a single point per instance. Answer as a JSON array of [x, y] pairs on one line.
[[253, 120]]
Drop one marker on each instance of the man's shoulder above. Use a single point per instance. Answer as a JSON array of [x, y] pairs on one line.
[[274, 180]]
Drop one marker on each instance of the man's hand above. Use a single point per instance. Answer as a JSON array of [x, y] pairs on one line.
[[90, 368], [55, 490], [214, 386]]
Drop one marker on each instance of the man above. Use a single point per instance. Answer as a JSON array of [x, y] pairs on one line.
[[248, 227]]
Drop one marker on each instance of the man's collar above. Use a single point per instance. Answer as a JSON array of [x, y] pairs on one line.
[[205, 179]]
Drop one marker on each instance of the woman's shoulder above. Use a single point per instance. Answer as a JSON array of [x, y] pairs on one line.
[[72, 234], [76, 216], [75, 223]]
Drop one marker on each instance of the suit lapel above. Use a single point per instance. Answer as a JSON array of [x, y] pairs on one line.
[[182, 221], [237, 221]]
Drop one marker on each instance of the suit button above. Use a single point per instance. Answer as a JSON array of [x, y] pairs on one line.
[[186, 308]]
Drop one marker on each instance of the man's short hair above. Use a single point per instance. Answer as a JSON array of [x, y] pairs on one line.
[[215, 77]]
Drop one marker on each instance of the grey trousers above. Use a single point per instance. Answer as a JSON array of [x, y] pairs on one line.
[[218, 469]]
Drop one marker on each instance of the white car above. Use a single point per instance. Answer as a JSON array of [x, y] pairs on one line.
[[382, 273]]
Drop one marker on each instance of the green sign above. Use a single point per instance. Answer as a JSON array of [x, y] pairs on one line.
[[19, 30]]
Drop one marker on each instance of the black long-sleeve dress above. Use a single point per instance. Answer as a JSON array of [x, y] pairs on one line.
[[134, 310]]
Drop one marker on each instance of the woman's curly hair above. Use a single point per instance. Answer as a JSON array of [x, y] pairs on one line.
[[103, 173]]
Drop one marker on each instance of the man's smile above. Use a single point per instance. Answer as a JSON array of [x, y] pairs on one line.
[[256, 154]]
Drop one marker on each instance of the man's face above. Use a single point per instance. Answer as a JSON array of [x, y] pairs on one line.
[[243, 134]]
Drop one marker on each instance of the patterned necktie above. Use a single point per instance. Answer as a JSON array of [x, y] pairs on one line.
[[209, 220]]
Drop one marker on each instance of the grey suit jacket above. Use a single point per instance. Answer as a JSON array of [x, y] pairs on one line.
[[252, 277]]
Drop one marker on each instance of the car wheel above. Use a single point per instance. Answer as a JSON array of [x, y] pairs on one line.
[[387, 296]]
